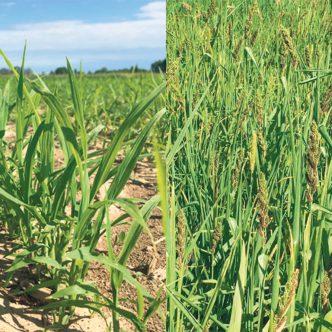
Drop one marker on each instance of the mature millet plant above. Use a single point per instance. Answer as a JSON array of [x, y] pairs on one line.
[[289, 45], [237, 170], [187, 6], [312, 162], [238, 48], [254, 37], [326, 104], [325, 290], [260, 119], [215, 240], [253, 152], [263, 206], [286, 301], [308, 55]]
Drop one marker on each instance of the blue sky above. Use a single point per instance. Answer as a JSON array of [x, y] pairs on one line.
[[110, 33]]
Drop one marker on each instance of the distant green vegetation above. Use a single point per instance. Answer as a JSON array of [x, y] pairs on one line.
[[156, 67], [249, 166], [107, 98]]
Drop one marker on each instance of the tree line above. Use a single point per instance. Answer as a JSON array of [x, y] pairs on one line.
[[156, 67]]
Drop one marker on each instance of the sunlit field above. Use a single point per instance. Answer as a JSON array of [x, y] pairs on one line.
[[78, 198], [249, 165]]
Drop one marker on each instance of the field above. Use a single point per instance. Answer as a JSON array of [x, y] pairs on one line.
[[249, 166], [107, 97], [80, 226]]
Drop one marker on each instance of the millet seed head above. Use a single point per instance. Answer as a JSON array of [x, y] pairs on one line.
[[263, 206], [312, 161], [325, 290], [288, 42]]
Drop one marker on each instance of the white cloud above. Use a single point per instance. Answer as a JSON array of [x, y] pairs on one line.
[[148, 31], [154, 10]]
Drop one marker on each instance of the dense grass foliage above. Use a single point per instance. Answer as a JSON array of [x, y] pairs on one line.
[[51, 174], [249, 165]]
